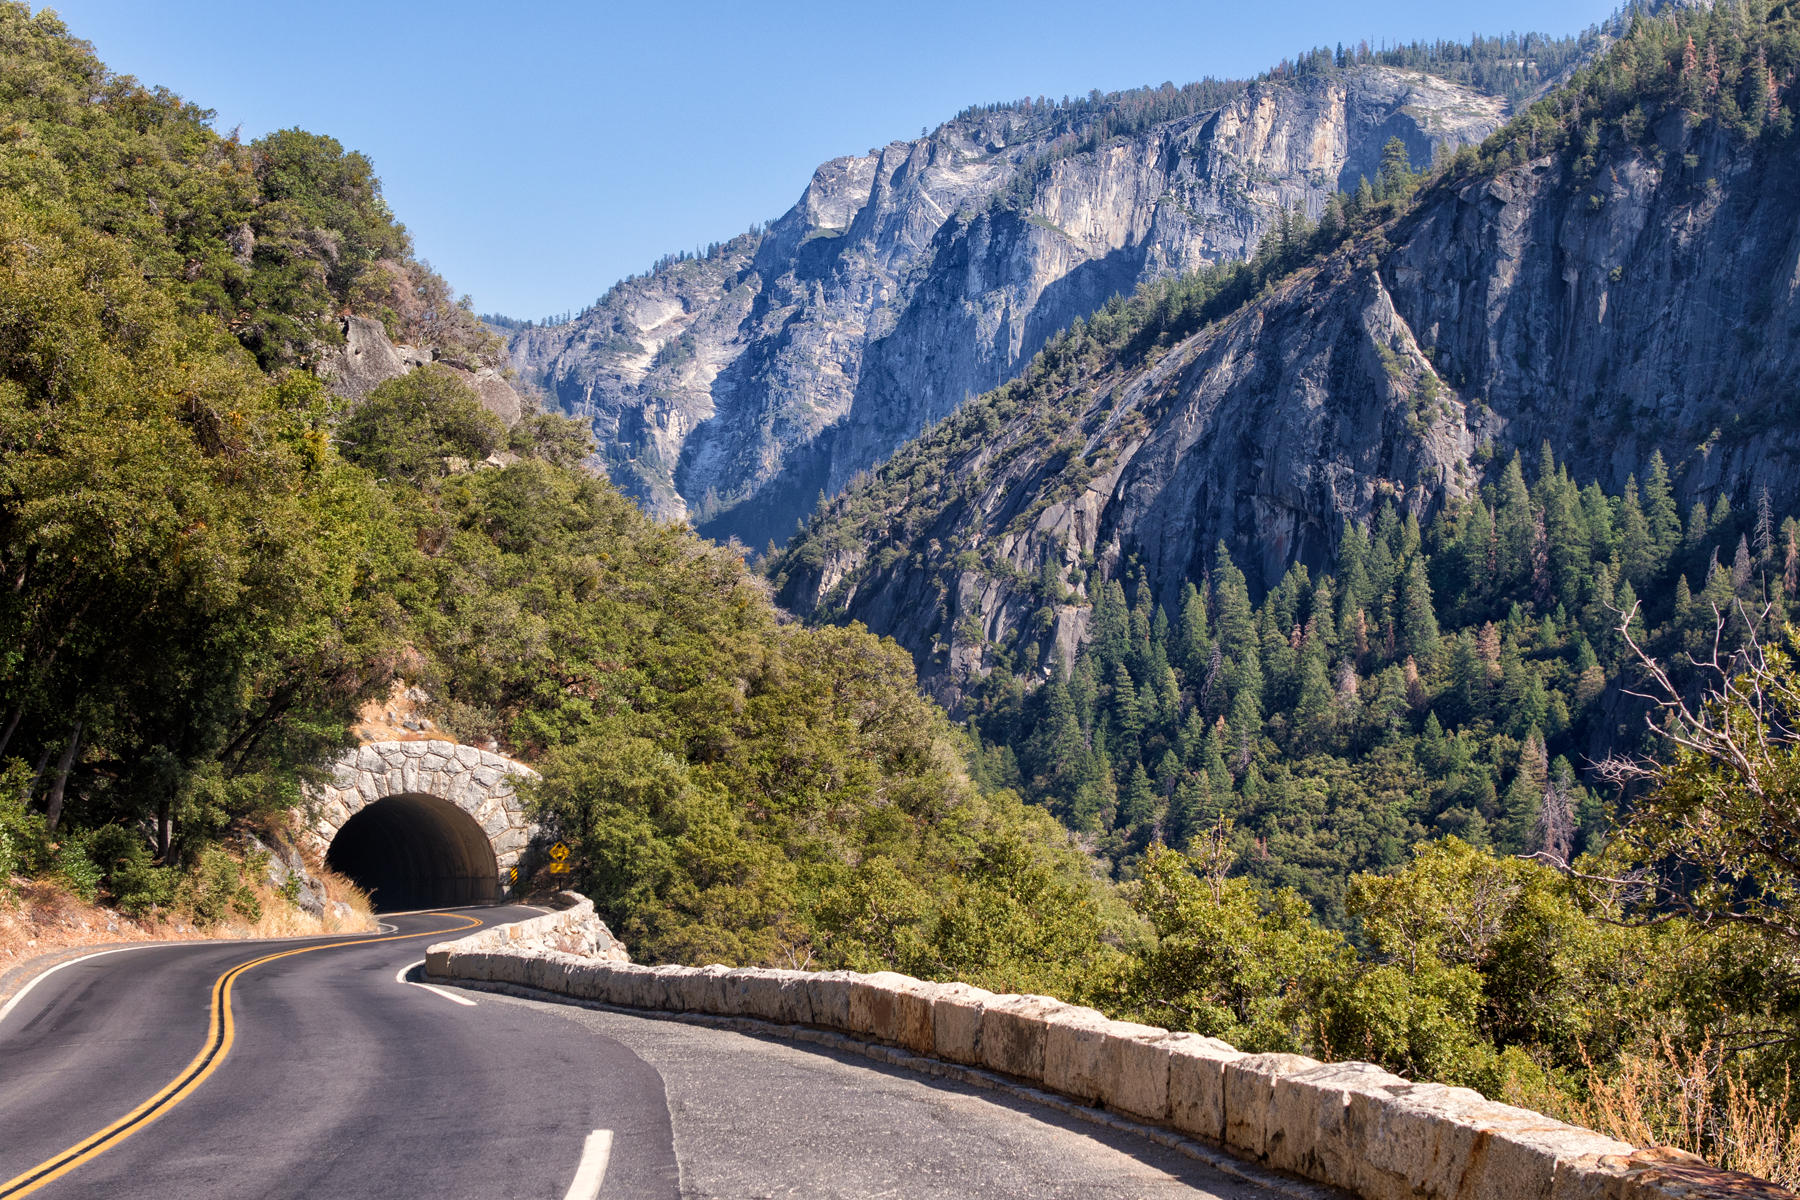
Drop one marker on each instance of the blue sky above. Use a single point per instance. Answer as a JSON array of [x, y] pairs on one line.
[[540, 151]]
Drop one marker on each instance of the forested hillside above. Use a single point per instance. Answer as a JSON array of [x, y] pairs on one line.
[[1271, 537], [1440, 680], [211, 562], [1318, 569]]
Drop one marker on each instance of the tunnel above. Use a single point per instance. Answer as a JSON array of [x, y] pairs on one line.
[[416, 851]]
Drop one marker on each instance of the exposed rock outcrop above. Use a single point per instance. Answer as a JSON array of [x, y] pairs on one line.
[[368, 359], [732, 389], [1650, 304]]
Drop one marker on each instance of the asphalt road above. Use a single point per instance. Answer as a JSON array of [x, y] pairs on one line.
[[334, 1079]]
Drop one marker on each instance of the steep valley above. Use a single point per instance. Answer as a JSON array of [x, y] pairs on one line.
[[734, 388], [1639, 298]]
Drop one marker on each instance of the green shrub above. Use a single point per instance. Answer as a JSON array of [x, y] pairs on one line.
[[128, 874], [75, 869], [213, 888], [23, 847]]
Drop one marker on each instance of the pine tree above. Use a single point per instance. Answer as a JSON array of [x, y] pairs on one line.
[[1418, 619], [1111, 640], [1315, 707], [1514, 525], [1692, 84], [1057, 752], [1137, 801], [1331, 222], [1567, 551], [1721, 510], [1790, 559], [1590, 677], [1140, 617], [1521, 805], [1239, 640], [1189, 805], [1396, 173], [1660, 511], [1696, 527], [1321, 626], [1637, 550], [1193, 638], [1126, 729], [1353, 572], [1475, 556], [1084, 691], [1597, 519], [1718, 594], [1246, 728], [1189, 745], [1466, 680], [1212, 757]]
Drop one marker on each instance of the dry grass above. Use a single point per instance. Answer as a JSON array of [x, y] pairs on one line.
[[41, 916], [281, 919], [1695, 1100]]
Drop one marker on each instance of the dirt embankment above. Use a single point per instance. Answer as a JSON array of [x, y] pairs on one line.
[[40, 917]]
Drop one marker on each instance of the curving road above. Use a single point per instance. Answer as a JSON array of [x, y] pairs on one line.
[[318, 1072]]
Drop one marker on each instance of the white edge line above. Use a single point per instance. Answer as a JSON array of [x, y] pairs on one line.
[[591, 1173], [400, 977], [47, 973]]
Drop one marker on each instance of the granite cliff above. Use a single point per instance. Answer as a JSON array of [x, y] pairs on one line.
[[1631, 286], [731, 389]]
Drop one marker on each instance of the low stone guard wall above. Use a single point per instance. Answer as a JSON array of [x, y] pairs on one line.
[[572, 932], [1349, 1125]]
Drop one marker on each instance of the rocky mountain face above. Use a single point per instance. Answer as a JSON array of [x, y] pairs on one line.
[[1643, 297], [369, 358], [733, 389]]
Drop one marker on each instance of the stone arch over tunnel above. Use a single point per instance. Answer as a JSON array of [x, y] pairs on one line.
[[422, 824]]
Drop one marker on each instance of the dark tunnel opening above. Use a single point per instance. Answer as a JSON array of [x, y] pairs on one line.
[[416, 852]]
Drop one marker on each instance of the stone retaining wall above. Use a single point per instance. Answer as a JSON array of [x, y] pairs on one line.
[[572, 932], [1350, 1125]]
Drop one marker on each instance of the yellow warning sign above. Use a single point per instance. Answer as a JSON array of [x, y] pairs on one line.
[[559, 858]]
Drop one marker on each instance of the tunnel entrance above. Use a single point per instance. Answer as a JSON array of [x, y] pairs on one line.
[[416, 851]]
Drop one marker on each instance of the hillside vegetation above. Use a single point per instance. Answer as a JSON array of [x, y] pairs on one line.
[[211, 564], [1314, 783]]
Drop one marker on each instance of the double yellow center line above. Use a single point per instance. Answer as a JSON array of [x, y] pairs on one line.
[[219, 1036]]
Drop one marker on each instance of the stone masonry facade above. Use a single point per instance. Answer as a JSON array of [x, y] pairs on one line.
[[478, 782]]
